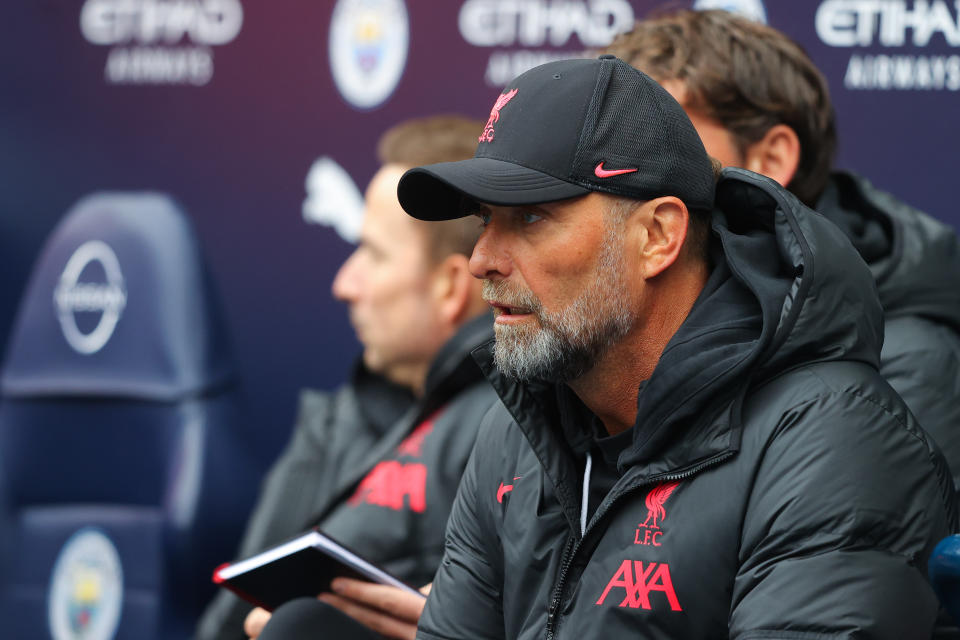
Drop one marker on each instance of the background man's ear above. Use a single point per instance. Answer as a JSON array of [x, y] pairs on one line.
[[455, 290], [776, 155]]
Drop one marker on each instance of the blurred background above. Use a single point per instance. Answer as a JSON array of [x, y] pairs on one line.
[[258, 119], [229, 106]]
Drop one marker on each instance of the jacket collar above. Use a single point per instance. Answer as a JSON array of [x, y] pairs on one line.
[[915, 259]]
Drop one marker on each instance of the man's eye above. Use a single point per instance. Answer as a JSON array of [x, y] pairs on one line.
[[530, 218], [484, 219]]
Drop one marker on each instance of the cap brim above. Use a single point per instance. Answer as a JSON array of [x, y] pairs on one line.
[[437, 191]]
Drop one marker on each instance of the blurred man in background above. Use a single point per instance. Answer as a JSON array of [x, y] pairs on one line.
[[759, 102], [376, 463]]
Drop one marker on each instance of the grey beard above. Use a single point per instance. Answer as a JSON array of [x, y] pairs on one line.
[[568, 343], [545, 353]]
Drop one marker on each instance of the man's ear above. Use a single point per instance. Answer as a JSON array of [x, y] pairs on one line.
[[454, 289], [665, 223], [776, 155]]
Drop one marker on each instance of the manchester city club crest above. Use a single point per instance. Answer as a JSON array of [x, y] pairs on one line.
[[86, 590], [752, 9], [368, 49]]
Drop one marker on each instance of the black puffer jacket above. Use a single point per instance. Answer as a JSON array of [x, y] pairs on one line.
[[373, 469], [775, 485], [915, 261]]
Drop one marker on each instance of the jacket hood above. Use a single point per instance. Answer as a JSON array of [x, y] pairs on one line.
[[787, 288], [914, 258]]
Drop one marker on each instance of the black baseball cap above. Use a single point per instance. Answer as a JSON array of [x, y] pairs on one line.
[[564, 129]]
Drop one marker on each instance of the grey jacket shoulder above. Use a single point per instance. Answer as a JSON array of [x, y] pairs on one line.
[[340, 439], [323, 448], [921, 360]]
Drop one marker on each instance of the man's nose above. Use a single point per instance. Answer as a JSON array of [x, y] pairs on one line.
[[345, 283], [488, 258]]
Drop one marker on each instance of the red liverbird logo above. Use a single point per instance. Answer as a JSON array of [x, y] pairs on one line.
[[655, 499], [649, 532], [487, 135]]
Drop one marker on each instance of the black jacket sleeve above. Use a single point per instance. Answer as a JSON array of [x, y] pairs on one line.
[[466, 598], [921, 361], [844, 554]]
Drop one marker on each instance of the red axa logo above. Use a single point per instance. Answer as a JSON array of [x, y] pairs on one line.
[[639, 582], [487, 135], [393, 484], [649, 532]]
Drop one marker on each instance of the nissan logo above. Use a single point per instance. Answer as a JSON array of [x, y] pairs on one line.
[[72, 296]]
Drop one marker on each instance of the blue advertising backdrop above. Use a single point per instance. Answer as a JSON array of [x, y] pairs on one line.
[[229, 105]]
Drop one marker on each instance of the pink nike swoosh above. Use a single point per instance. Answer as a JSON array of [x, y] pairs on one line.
[[503, 490], [600, 172]]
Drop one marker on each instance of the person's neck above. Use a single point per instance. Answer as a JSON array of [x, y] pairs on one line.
[[609, 389], [411, 376]]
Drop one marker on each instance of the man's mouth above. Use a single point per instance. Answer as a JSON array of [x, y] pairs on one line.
[[501, 309], [509, 306]]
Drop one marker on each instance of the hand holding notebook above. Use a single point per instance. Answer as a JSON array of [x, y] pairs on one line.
[[302, 566]]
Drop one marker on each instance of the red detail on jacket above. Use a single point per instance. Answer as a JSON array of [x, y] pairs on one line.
[[488, 132], [638, 582], [412, 445], [390, 483], [655, 499], [504, 488], [648, 537]]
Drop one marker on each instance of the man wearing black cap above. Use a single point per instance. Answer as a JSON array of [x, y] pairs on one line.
[[694, 439], [759, 102]]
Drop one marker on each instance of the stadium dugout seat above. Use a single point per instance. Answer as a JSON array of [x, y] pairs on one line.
[[124, 475], [944, 572]]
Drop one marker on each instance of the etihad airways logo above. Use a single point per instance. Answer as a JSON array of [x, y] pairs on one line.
[[638, 581], [907, 27], [160, 42], [525, 33], [850, 23], [752, 9]]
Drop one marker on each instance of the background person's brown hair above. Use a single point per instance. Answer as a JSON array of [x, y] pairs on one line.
[[747, 76], [443, 138]]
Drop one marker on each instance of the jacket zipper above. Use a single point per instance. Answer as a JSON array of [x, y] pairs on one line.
[[568, 555], [571, 543]]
